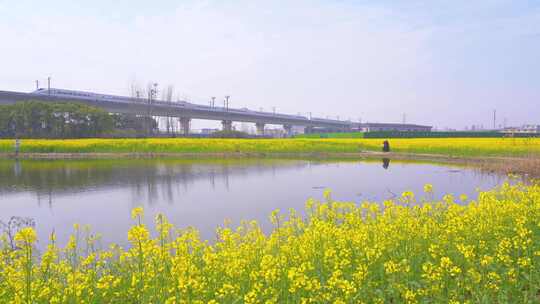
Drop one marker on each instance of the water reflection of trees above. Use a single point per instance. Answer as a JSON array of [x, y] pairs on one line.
[[148, 179]]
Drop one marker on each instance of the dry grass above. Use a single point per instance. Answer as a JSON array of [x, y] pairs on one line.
[[529, 166]]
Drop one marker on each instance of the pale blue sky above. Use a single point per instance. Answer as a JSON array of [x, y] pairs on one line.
[[444, 63]]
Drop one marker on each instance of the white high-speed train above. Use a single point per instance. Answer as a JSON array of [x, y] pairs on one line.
[[84, 95]]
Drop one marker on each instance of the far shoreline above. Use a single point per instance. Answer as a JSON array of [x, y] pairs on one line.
[[529, 166]]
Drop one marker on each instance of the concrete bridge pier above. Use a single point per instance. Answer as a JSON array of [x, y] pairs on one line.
[[308, 130], [288, 130], [260, 128], [184, 125], [227, 125]]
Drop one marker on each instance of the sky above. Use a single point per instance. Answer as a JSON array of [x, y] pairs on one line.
[[446, 63]]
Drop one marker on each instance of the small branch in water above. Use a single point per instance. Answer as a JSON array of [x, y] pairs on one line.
[[392, 193], [15, 224]]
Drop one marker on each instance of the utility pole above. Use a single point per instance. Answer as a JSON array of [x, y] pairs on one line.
[[226, 101], [494, 119], [49, 85], [151, 95], [37, 84], [213, 101]]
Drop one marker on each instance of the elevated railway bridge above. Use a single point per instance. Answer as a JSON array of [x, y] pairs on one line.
[[186, 111], [183, 110]]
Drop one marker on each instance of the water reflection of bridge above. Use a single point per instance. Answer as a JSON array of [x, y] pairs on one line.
[[148, 179]]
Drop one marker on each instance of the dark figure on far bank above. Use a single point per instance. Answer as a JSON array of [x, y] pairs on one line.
[[386, 146]]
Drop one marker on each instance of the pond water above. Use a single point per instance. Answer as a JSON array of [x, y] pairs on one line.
[[202, 193]]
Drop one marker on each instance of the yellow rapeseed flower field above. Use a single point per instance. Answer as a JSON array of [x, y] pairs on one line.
[[445, 146], [406, 251]]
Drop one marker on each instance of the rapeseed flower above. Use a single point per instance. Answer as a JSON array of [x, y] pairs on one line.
[[339, 252]]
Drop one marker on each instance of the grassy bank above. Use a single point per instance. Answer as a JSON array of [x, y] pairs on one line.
[[459, 147], [415, 134], [450, 251], [332, 135]]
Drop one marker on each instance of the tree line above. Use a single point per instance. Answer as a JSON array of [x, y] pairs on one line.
[[36, 119]]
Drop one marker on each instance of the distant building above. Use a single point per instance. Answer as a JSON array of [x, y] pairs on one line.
[[207, 131], [525, 129], [371, 127], [298, 130], [276, 133]]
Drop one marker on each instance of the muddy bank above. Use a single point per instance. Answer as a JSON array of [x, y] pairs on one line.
[[322, 155]]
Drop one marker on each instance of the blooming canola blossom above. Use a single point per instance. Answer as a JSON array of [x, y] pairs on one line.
[[411, 250]]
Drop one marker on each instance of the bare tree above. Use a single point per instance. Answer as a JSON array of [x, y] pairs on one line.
[[137, 92], [168, 96]]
